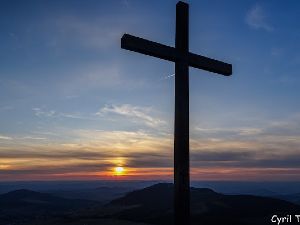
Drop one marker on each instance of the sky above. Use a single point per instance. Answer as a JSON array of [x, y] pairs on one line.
[[74, 105]]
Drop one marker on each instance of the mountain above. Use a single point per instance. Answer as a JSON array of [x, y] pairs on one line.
[[258, 192], [103, 194], [151, 205], [154, 205], [26, 205], [294, 198]]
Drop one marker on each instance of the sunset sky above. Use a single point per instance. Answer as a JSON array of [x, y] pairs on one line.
[[74, 105]]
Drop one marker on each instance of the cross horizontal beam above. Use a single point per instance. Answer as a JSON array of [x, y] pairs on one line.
[[165, 52], [211, 65], [150, 48]]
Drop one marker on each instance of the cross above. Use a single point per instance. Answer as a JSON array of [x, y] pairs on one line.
[[183, 59]]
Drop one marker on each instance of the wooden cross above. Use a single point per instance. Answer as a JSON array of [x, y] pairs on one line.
[[183, 59]]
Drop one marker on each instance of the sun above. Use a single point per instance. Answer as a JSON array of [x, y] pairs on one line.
[[119, 170]]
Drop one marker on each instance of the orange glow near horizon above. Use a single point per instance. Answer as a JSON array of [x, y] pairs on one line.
[[123, 155], [165, 173]]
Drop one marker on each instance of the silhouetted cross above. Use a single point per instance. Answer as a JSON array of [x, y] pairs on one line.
[[183, 59]]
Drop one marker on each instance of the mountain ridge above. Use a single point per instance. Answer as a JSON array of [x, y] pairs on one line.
[[154, 205], [150, 205]]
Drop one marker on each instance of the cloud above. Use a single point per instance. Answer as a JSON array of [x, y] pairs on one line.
[[253, 158], [54, 114], [256, 18], [39, 112], [221, 156], [16, 138], [122, 142], [136, 113], [228, 132], [225, 151], [2, 137], [33, 138], [94, 152], [55, 154], [91, 153]]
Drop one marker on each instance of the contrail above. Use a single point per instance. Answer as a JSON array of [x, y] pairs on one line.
[[167, 77]]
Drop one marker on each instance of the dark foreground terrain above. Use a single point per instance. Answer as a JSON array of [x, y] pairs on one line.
[[151, 205]]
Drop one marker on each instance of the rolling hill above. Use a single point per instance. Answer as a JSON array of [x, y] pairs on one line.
[[155, 205], [25, 205], [151, 205]]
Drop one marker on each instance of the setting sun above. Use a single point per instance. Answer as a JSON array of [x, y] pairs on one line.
[[119, 170]]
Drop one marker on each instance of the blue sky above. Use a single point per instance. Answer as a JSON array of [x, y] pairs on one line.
[[74, 105]]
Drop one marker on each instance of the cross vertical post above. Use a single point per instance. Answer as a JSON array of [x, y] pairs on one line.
[[181, 128], [183, 59]]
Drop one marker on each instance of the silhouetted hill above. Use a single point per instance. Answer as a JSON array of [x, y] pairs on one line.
[[148, 197], [154, 205], [23, 205], [101, 194], [28, 198], [294, 198], [151, 205]]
